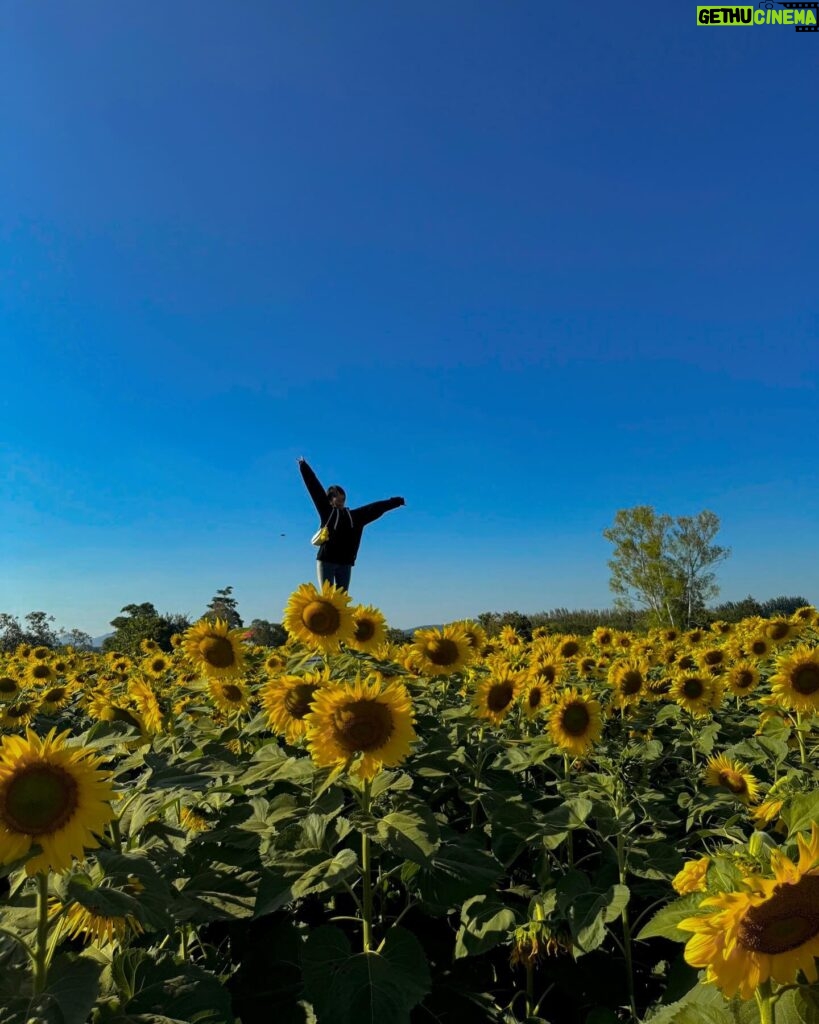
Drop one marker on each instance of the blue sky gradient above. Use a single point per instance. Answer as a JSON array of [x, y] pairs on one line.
[[524, 264]]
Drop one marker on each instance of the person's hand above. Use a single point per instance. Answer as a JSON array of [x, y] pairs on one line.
[[396, 498], [301, 459]]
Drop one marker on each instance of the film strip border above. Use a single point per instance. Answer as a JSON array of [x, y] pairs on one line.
[[797, 5]]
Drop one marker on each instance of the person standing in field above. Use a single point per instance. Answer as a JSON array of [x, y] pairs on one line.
[[336, 556]]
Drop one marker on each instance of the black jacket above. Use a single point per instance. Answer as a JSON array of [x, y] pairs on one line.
[[346, 524]]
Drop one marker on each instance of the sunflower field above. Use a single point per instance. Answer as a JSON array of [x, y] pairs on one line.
[[572, 830]]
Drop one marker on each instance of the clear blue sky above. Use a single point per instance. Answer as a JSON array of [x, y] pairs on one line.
[[524, 263]]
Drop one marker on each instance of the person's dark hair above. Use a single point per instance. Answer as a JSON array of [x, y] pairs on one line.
[[334, 489]]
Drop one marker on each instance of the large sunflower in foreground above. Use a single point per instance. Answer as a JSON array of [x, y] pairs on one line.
[[735, 777], [319, 618], [495, 695], [287, 700], [51, 795], [575, 722], [440, 652], [369, 722], [770, 931], [795, 684], [369, 629], [214, 649]]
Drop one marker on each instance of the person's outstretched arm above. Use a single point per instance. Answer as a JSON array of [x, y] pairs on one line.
[[317, 492], [368, 513]]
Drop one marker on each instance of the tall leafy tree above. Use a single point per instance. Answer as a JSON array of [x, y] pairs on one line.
[[223, 606], [691, 554], [641, 569], [143, 622]]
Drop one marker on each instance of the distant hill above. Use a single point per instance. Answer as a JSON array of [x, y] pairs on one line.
[[97, 640]]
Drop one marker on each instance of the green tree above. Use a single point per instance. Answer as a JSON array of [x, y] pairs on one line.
[[641, 569], [664, 564], [223, 606], [143, 622], [268, 634], [691, 554], [37, 631]]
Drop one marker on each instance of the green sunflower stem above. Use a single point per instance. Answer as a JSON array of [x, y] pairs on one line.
[[366, 873], [624, 919], [41, 951], [800, 739], [567, 771], [764, 1003], [473, 818]]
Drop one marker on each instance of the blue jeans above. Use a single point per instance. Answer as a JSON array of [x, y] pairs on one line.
[[334, 573]]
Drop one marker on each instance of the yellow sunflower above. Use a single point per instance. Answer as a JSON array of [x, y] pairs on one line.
[[742, 678], [509, 637], [780, 630], [369, 629], [568, 646], [229, 696], [757, 646], [804, 615], [769, 932], [575, 722], [496, 693], [54, 697], [156, 664], [9, 688], [78, 922], [20, 713], [439, 652], [40, 653], [603, 636], [287, 701], [712, 657], [40, 673], [321, 619], [367, 722], [692, 877], [53, 796], [148, 646], [275, 662], [795, 684], [628, 678], [214, 649], [734, 776], [147, 703], [693, 692], [475, 634], [536, 697]]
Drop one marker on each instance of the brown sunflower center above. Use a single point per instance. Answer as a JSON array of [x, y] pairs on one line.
[[217, 651], [364, 630], [779, 630], [21, 710], [158, 665], [298, 698], [8, 685], [687, 661], [231, 692], [363, 725], [631, 682], [604, 639], [743, 679], [54, 695], [734, 781], [41, 672], [575, 719], [805, 678], [38, 799], [789, 918], [759, 647], [535, 697], [442, 651], [569, 648], [500, 696], [713, 657], [321, 618], [693, 688]]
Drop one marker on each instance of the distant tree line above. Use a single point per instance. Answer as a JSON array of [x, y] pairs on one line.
[[583, 621]]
